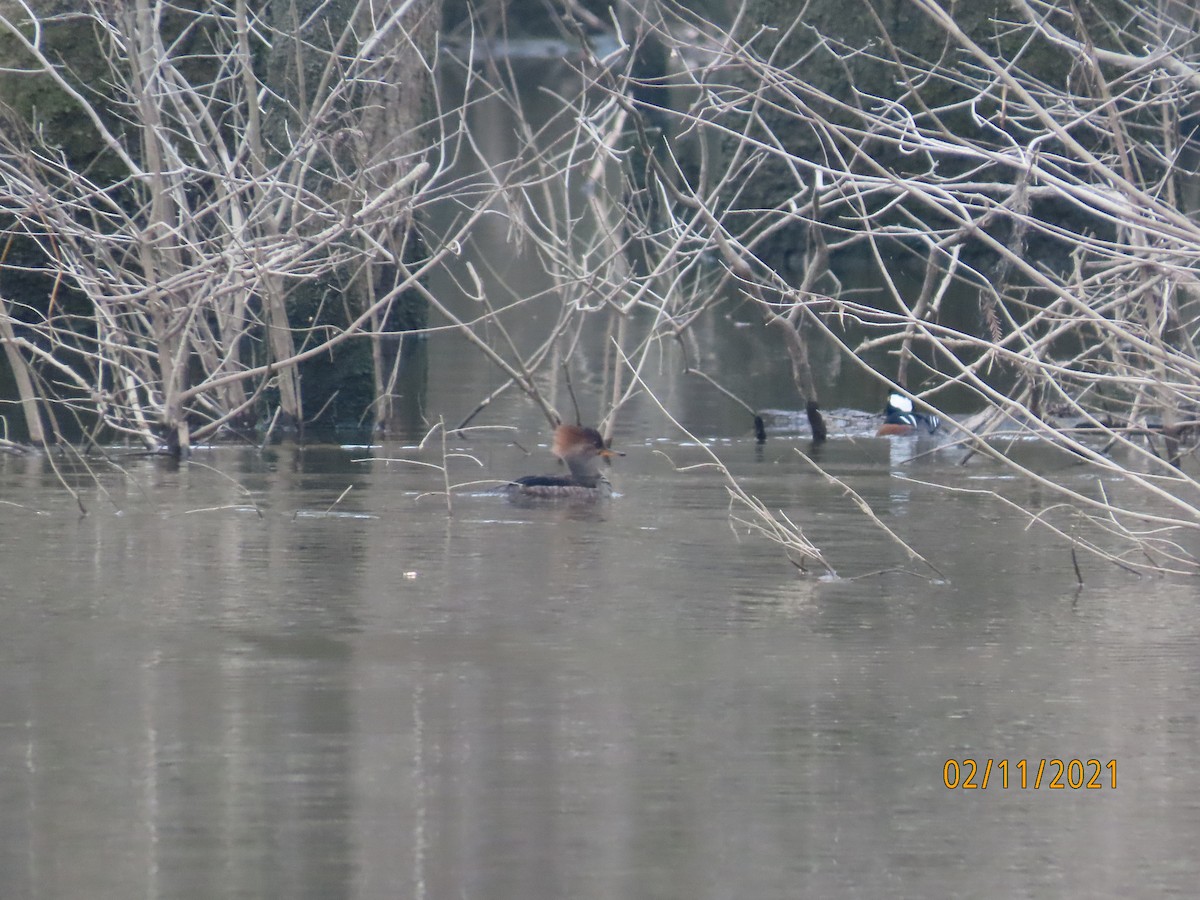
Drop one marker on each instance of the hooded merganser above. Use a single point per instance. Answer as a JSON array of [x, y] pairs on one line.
[[899, 418], [581, 449]]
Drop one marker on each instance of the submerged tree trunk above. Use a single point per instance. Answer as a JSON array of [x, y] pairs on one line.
[[26, 394]]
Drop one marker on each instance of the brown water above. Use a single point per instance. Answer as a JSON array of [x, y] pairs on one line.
[[372, 698]]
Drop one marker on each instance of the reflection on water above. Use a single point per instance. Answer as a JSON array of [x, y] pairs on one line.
[[313, 692]]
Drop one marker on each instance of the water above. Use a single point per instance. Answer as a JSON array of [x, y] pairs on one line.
[[236, 679]]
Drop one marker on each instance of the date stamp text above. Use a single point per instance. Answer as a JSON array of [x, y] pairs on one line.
[[1030, 774]]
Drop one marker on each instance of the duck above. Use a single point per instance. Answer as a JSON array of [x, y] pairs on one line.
[[900, 419], [581, 448]]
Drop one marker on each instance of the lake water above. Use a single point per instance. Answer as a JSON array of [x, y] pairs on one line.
[[291, 675]]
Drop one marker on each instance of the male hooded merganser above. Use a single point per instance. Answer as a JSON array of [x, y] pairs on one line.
[[581, 449], [899, 418]]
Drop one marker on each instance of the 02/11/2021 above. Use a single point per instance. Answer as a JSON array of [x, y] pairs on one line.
[[1054, 774]]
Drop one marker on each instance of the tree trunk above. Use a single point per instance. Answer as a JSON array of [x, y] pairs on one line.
[[26, 394], [396, 108]]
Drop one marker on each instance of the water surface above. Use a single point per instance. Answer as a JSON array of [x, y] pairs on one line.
[[233, 683]]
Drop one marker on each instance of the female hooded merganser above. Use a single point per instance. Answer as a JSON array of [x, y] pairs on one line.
[[899, 418], [581, 449]]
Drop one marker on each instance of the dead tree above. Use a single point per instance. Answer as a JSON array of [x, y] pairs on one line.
[[189, 229]]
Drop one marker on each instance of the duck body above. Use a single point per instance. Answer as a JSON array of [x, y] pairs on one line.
[[581, 448], [900, 419], [554, 487]]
